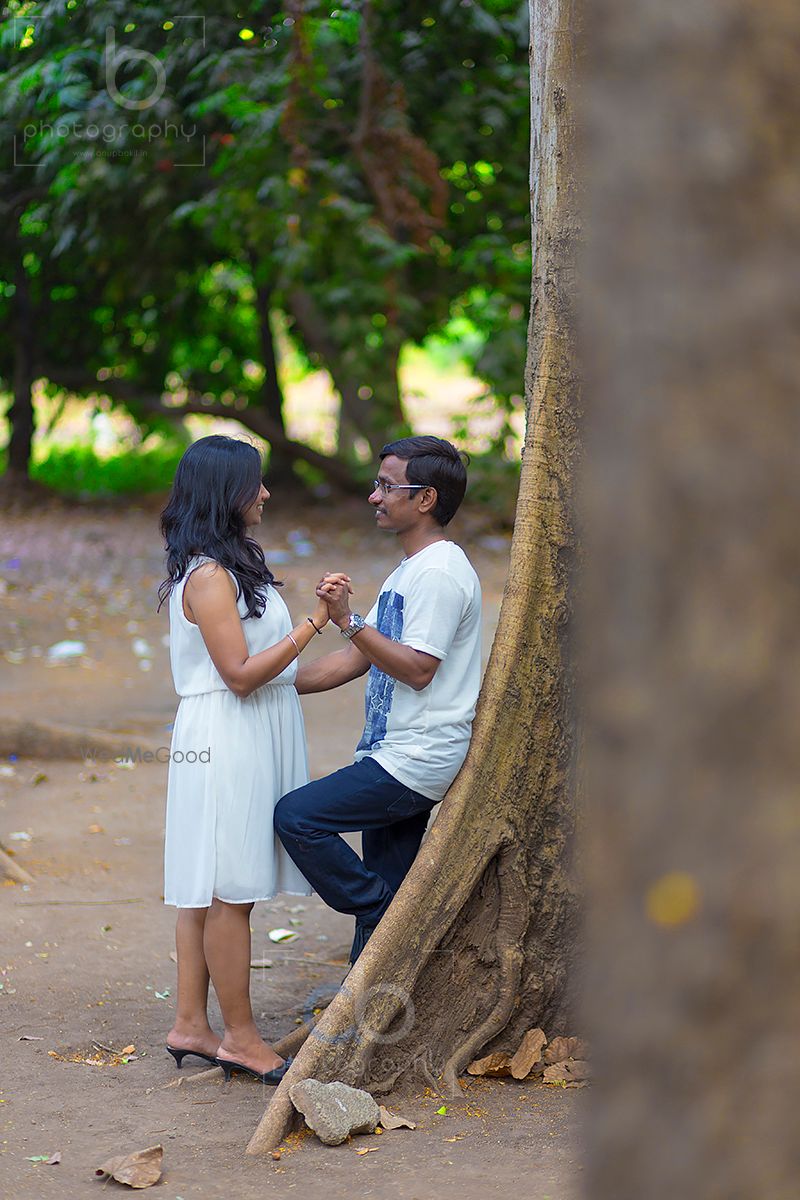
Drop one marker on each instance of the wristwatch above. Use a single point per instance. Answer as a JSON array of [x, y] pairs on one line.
[[353, 626]]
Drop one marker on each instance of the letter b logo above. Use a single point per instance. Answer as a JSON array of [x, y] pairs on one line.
[[113, 59]]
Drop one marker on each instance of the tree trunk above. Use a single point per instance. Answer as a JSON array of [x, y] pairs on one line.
[[693, 599], [270, 401], [476, 947], [21, 415], [371, 409], [271, 398], [382, 418]]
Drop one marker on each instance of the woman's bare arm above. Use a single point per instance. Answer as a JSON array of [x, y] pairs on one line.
[[210, 603]]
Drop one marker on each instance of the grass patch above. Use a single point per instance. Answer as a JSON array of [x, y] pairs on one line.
[[77, 470]]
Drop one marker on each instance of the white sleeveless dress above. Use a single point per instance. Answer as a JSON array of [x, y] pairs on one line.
[[231, 760]]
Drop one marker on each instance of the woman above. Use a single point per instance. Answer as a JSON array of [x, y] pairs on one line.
[[238, 744]]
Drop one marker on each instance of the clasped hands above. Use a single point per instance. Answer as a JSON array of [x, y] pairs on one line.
[[333, 591]]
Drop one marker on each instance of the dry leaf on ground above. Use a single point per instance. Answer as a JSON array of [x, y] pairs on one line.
[[367, 1150], [562, 1048], [390, 1121], [494, 1065], [140, 1169], [572, 1073], [528, 1053]]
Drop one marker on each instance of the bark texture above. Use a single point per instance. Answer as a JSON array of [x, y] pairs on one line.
[[694, 595], [475, 948]]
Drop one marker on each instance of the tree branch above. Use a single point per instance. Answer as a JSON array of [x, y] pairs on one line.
[[335, 469]]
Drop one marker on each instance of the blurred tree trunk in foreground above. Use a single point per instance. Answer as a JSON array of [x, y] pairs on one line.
[[692, 617], [478, 945]]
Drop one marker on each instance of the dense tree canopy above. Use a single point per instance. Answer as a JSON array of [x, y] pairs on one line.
[[180, 183]]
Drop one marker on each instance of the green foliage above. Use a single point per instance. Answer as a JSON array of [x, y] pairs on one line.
[[368, 181], [78, 470]]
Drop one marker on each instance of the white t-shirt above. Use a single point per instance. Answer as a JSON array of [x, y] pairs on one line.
[[432, 602]]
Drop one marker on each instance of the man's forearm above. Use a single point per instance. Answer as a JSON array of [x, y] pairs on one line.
[[331, 671], [403, 663], [412, 667]]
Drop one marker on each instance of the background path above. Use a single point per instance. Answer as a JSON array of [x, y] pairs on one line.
[[86, 950]]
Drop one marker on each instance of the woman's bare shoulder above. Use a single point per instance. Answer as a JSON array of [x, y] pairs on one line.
[[209, 577]]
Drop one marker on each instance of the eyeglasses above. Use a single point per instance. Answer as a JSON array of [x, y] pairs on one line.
[[379, 486]]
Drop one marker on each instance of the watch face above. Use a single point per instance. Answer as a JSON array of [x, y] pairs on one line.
[[354, 625]]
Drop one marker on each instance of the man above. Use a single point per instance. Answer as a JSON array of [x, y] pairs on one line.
[[421, 645]]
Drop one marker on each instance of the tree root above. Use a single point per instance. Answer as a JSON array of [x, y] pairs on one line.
[[512, 924], [38, 739], [293, 1041], [341, 1044], [13, 870]]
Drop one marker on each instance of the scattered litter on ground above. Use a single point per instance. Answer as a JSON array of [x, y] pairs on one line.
[[50, 1160], [391, 1121], [63, 651], [140, 1169]]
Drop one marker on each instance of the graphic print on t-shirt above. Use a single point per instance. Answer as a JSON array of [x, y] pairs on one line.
[[380, 686]]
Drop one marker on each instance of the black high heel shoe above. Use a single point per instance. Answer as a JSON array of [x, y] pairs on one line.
[[273, 1076], [180, 1055]]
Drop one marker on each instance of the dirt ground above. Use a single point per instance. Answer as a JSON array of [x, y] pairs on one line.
[[85, 958]]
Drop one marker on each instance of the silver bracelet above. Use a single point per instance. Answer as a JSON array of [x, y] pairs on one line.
[[294, 643]]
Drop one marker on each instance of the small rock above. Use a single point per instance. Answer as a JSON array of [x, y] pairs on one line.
[[334, 1110]]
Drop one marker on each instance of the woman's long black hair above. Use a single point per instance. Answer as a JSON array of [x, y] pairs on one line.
[[216, 480]]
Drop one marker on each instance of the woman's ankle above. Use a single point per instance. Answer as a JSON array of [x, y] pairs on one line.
[[192, 1027], [243, 1041]]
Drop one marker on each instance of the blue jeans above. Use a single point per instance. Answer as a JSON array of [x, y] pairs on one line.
[[392, 820]]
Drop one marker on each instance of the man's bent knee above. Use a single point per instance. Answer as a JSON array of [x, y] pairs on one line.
[[284, 824]]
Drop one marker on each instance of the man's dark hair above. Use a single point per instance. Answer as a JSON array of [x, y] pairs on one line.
[[436, 463]]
